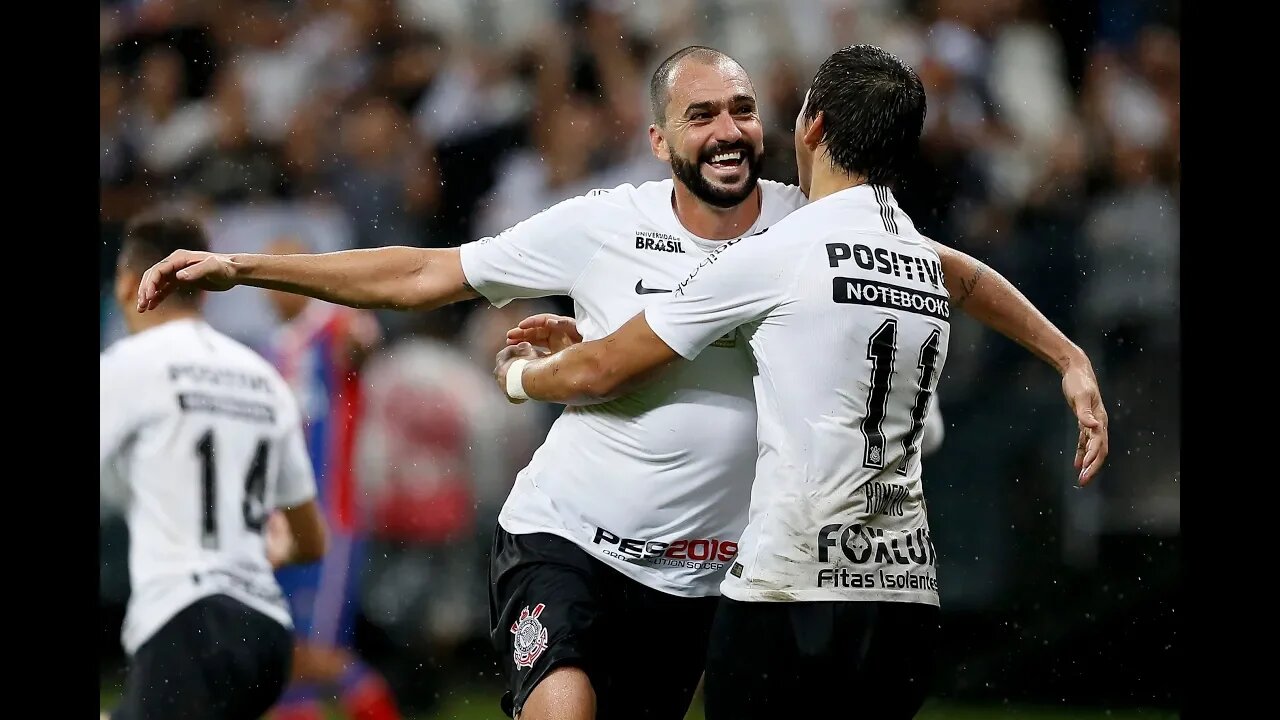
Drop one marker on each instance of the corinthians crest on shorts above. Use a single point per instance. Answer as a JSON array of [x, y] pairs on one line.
[[530, 636]]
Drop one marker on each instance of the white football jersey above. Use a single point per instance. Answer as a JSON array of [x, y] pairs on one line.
[[844, 308], [204, 435], [655, 483]]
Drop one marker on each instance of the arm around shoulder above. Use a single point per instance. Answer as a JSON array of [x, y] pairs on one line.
[[590, 372]]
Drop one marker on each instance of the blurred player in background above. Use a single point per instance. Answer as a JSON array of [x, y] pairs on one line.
[[436, 454], [319, 349], [200, 438]]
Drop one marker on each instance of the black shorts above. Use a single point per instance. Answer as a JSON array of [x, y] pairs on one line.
[[217, 659], [820, 659], [552, 604]]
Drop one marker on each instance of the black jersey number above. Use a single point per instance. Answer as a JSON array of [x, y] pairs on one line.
[[882, 348], [253, 507]]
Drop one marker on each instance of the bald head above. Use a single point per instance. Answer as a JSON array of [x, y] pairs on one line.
[[664, 77], [706, 126]]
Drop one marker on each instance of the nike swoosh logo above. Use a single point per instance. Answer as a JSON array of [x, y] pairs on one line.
[[642, 290]]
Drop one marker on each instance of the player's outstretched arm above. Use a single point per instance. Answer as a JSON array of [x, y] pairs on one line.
[[587, 372], [991, 299], [399, 278]]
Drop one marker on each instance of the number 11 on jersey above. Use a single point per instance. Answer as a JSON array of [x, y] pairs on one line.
[[881, 350]]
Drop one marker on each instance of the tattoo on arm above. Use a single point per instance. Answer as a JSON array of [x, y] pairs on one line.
[[969, 285]]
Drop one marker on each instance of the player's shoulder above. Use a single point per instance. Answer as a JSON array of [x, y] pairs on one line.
[[237, 353], [140, 353], [119, 351], [808, 220], [785, 195], [628, 195], [589, 208], [918, 241], [781, 197], [124, 356], [606, 207], [241, 358]]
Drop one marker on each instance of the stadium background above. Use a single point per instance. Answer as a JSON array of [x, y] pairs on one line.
[[1051, 152]]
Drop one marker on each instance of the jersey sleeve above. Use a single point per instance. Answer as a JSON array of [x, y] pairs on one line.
[[737, 284], [544, 255], [119, 413], [297, 483]]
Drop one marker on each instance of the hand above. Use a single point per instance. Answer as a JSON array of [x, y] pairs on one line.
[[278, 540], [1081, 389], [548, 330], [508, 355], [210, 271]]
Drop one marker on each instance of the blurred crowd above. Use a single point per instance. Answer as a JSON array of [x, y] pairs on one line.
[[1050, 152]]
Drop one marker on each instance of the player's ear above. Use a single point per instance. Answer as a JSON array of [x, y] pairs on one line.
[[658, 143], [814, 133]]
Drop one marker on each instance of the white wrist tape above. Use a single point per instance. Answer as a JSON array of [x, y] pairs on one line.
[[515, 383]]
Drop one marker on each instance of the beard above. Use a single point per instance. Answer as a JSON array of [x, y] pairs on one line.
[[689, 172]]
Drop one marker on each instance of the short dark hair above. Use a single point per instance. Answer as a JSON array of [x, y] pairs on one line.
[[873, 108], [660, 83], [152, 236]]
